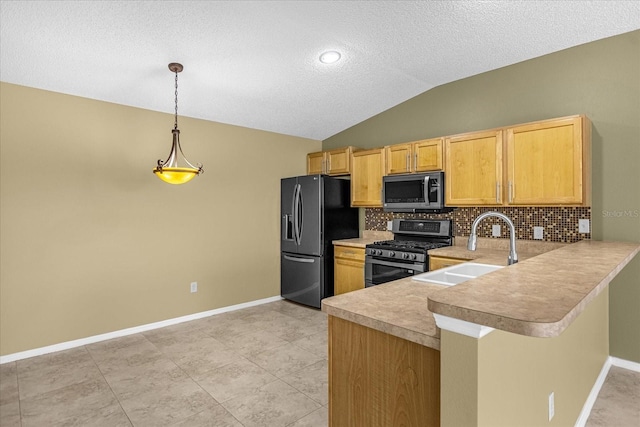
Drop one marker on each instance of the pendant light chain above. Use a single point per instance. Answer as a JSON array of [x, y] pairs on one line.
[[176, 116]]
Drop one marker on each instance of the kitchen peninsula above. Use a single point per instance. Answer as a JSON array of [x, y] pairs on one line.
[[548, 323]]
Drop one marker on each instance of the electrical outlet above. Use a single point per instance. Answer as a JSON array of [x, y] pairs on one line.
[[538, 233], [194, 287], [495, 230], [552, 406], [583, 225], [389, 225]]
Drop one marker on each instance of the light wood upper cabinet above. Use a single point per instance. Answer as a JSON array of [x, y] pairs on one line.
[[427, 155], [417, 156], [398, 158], [544, 163], [348, 269], [548, 162], [367, 169], [473, 169], [315, 163], [333, 162]]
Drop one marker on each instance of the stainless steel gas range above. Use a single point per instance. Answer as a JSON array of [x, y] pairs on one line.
[[405, 255]]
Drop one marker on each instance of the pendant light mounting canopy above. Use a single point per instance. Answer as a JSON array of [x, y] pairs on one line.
[[175, 67], [176, 169]]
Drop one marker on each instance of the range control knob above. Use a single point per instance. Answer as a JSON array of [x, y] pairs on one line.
[[378, 252], [413, 256], [392, 254], [405, 256]]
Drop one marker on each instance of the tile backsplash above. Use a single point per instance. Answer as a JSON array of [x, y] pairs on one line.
[[560, 223]]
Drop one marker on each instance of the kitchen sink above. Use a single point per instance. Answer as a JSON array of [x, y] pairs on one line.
[[456, 274]]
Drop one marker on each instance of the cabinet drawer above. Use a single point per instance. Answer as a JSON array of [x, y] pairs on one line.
[[349, 252]]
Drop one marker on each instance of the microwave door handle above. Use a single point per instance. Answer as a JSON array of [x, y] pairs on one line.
[[431, 186], [427, 192]]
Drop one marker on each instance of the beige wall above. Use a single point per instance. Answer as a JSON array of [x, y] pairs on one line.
[[93, 242], [599, 79], [505, 379]]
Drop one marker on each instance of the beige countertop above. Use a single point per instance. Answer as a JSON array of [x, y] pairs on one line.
[[539, 296], [397, 308], [495, 248], [367, 237]]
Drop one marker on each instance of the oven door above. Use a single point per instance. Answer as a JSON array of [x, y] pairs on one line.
[[378, 271]]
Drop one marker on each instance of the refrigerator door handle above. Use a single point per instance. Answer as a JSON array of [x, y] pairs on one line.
[[305, 260], [294, 209], [301, 215]]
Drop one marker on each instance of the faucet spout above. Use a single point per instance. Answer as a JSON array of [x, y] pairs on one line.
[[473, 238]]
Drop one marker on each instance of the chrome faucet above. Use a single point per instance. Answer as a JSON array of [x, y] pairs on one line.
[[473, 238]]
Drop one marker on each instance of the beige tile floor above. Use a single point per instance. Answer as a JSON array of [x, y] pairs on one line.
[[618, 402], [261, 366]]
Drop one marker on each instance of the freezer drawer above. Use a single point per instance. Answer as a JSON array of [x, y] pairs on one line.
[[302, 279]]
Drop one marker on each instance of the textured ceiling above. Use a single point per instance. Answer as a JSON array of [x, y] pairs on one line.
[[255, 64]]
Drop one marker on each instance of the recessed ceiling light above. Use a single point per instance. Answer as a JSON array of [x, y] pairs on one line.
[[329, 57]]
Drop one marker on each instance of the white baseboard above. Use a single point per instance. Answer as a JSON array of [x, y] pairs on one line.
[[626, 364], [130, 331], [593, 395], [591, 400]]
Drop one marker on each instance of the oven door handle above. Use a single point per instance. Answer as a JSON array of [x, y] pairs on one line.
[[408, 265]]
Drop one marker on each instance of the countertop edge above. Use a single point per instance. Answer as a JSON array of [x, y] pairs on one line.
[[386, 327], [529, 328]]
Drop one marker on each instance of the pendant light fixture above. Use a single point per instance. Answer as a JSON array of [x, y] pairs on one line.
[[176, 169]]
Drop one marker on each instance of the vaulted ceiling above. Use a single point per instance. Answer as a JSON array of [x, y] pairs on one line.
[[255, 63]]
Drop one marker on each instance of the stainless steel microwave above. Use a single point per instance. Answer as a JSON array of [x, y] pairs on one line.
[[420, 192]]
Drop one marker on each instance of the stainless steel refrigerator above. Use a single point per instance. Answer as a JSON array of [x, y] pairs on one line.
[[315, 210]]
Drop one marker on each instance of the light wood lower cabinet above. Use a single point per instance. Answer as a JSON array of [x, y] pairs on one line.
[[379, 380], [436, 262], [348, 269]]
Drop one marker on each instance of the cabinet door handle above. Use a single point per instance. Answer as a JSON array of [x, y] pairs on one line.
[[497, 192], [510, 192], [415, 161], [329, 164]]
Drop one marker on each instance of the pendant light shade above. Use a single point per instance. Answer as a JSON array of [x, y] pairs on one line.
[[176, 169]]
